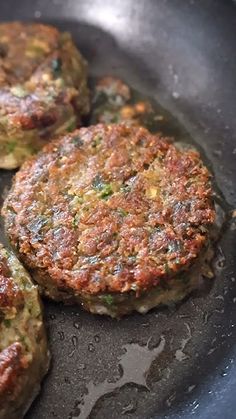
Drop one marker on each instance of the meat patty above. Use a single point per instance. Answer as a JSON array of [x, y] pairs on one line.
[[24, 356], [43, 88], [109, 216]]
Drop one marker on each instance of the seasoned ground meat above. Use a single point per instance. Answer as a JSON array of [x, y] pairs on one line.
[[43, 88], [23, 348], [110, 213]]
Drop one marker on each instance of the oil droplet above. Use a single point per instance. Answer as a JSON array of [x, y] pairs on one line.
[[37, 14], [170, 399], [91, 347], [135, 364], [74, 340], [191, 388], [220, 261], [71, 353], [97, 338], [206, 317], [61, 335], [211, 351], [52, 316], [196, 406], [225, 371], [175, 95]]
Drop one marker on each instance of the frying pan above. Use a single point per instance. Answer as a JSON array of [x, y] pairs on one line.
[[170, 363]]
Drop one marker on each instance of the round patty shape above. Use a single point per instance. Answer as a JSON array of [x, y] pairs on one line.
[[24, 357], [43, 88], [109, 211]]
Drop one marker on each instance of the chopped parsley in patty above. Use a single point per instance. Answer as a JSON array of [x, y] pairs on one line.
[[112, 222], [43, 89]]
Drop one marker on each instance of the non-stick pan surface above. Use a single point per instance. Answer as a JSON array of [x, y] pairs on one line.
[[169, 363]]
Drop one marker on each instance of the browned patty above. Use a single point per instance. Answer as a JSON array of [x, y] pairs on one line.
[[43, 88], [23, 347], [109, 209]]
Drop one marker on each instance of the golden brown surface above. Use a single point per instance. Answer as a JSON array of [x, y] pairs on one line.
[[23, 348], [43, 88], [12, 365], [109, 209]]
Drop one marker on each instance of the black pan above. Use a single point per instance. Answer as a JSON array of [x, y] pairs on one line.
[[174, 363]]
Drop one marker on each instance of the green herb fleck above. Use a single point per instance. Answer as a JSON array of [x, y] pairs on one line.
[[167, 268], [23, 340], [106, 191], [77, 200], [56, 66], [125, 188], [11, 145], [72, 124], [122, 212], [96, 141], [107, 299], [104, 188], [75, 221], [35, 51], [7, 323], [110, 116], [77, 141]]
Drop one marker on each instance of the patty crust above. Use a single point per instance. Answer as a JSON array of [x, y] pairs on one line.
[[43, 88], [109, 212], [24, 355]]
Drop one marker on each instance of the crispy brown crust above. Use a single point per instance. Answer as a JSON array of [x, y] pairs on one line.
[[11, 297], [29, 112], [31, 55], [21, 39], [110, 209], [12, 366], [23, 347], [43, 88], [10, 294]]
